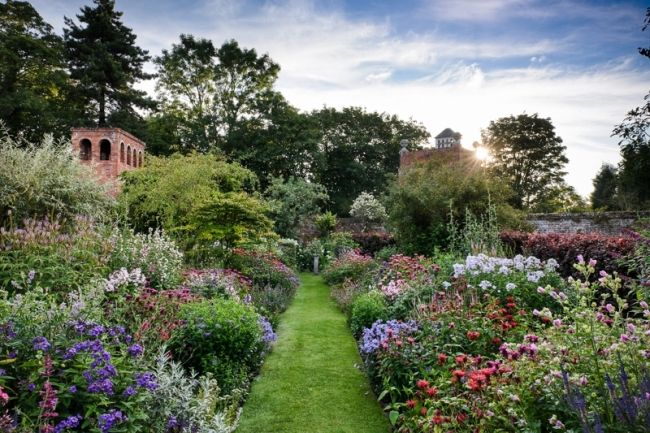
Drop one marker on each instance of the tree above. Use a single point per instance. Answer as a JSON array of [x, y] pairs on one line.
[[634, 134], [33, 82], [105, 63], [604, 195], [560, 198], [528, 154], [369, 209], [166, 191], [186, 87], [360, 152], [421, 200], [292, 201]]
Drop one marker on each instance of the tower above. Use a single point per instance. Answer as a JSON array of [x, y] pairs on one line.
[[110, 150]]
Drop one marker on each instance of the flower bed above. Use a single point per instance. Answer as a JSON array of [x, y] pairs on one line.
[[503, 344], [114, 354]]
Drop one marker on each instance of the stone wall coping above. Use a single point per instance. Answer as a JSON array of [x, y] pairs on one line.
[[107, 129], [589, 215]]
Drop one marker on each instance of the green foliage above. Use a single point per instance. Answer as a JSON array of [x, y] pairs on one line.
[[360, 151], [230, 219], [421, 201], [199, 199], [221, 337], [105, 62], [528, 154], [560, 198], [366, 309], [477, 235], [47, 254], [46, 180], [369, 209], [604, 195], [350, 265], [634, 168], [153, 253], [325, 223], [293, 201], [34, 84]]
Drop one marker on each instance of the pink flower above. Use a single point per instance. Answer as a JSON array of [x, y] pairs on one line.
[[592, 263], [610, 308], [557, 323], [625, 338], [581, 259]]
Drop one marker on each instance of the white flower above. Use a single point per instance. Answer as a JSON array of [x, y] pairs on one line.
[[511, 286]]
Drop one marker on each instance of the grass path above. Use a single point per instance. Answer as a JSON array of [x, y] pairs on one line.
[[309, 383]]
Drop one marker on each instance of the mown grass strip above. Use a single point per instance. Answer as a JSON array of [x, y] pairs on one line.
[[310, 382]]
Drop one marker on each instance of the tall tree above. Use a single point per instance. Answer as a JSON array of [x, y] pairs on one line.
[[604, 195], [360, 152], [105, 63], [634, 134], [186, 87], [528, 154], [33, 81]]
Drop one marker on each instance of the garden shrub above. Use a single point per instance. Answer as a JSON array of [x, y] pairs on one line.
[[325, 223], [47, 254], [351, 264], [263, 269], [371, 243], [217, 283], [366, 310], [154, 253], [369, 209], [47, 180], [566, 247], [338, 243], [346, 292], [221, 337]]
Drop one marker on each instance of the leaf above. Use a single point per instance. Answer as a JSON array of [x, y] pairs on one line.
[[392, 416]]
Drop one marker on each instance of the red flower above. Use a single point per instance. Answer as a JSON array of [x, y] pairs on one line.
[[456, 375], [432, 391], [461, 417], [437, 419], [473, 335], [460, 359], [442, 358], [496, 341], [411, 403], [422, 384], [423, 411]]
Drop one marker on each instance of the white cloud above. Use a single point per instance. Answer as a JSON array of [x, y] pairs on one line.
[[330, 59]]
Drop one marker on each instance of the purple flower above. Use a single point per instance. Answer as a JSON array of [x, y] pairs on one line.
[[31, 387], [268, 336], [41, 343], [72, 389], [96, 331], [68, 423], [129, 391], [380, 331], [101, 386], [109, 419], [146, 381], [135, 351], [2, 371]]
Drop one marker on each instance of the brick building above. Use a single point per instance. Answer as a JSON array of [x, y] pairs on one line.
[[110, 150], [448, 148]]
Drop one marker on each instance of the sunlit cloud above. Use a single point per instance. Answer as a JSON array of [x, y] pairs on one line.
[[432, 74]]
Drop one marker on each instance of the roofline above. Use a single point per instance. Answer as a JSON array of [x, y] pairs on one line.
[[102, 129]]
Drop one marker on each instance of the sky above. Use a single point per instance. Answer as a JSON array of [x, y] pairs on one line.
[[443, 63]]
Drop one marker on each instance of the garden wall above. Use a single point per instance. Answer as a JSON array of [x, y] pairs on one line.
[[611, 223], [308, 230]]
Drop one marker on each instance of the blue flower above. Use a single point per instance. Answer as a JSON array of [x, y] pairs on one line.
[[41, 343], [68, 423], [135, 350], [109, 419]]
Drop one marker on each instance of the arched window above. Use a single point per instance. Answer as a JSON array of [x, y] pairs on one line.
[[104, 150], [140, 159], [128, 155], [122, 153], [85, 150], [135, 158]]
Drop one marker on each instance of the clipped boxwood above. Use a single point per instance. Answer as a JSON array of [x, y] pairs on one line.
[[221, 337]]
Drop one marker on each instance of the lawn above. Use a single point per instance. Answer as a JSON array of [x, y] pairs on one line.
[[312, 381]]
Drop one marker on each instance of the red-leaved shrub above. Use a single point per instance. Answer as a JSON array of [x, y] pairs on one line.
[[372, 242], [565, 248]]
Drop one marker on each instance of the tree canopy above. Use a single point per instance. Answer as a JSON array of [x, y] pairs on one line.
[[33, 81], [105, 63], [527, 153], [605, 194], [634, 134]]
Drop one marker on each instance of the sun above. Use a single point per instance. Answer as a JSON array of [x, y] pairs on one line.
[[482, 153]]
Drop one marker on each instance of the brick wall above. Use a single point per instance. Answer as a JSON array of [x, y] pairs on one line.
[[603, 222], [109, 150]]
